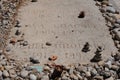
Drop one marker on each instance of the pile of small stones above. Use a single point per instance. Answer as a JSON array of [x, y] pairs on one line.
[[32, 70]]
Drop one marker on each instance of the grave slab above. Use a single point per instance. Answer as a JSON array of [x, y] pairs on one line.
[[52, 27]]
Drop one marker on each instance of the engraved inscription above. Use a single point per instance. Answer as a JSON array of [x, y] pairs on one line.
[[42, 45]]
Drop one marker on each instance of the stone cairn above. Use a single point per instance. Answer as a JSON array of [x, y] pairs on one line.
[[98, 55], [32, 70], [86, 47]]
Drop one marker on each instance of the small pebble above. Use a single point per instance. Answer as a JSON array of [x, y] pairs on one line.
[[5, 73], [98, 77], [108, 64], [88, 74], [24, 73], [118, 21], [34, 1], [25, 43], [34, 60], [93, 72], [111, 78], [110, 9], [33, 77], [48, 44], [45, 77], [0, 73]]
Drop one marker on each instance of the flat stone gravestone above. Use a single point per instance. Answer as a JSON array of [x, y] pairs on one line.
[[52, 27]]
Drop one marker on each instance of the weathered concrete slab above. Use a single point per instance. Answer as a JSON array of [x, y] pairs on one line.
[[57, 22]]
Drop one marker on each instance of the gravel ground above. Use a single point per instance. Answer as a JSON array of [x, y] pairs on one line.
[[98, 68]]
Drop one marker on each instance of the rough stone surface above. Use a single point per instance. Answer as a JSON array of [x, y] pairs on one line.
[[48, 19]]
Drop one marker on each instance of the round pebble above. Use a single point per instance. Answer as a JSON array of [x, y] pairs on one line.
[[24, 73], [5, 73], [110, 9], [0, 73], [33, 77]]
